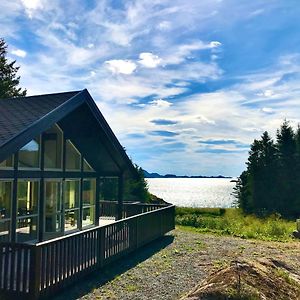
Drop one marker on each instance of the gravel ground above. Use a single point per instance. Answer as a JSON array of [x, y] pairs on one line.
[[175, 264]]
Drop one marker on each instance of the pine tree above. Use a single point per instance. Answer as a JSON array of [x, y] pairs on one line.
[[286, 146], [9, 81]]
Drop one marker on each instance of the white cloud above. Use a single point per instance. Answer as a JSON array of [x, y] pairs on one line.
[[149, 60], [161, 103], [31, 6], [215, 44], [19, 53], [164, 25], [120, 66]]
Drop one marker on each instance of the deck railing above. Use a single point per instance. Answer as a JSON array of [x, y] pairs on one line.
[[34, 271], [108, 209]]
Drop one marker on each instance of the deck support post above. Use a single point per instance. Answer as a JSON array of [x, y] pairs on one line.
[[120, 196]]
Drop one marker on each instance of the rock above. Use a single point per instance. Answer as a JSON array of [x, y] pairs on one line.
[[296, 234]]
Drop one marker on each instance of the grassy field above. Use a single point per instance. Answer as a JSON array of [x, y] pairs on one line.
[[233, 222]]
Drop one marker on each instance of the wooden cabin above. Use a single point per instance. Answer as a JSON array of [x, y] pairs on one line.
[[57, 152]]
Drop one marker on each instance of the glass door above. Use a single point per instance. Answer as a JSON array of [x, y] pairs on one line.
[[53, 208]]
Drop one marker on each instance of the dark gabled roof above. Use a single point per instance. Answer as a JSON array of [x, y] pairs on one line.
[[22, 119], [16, 114]]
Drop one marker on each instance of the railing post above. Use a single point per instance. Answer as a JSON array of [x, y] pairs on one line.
[[137, 232], [120, 196], [101, 246], [35, 272]]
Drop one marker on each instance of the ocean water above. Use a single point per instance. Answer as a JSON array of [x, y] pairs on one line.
[[194, 192]]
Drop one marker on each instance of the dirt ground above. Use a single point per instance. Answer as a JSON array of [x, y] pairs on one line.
[[191, 265]]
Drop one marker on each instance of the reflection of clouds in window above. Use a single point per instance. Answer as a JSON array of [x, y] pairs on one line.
[[29, 155], [31, 146]]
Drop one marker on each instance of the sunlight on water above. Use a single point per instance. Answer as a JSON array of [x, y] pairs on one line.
[[194, 192]]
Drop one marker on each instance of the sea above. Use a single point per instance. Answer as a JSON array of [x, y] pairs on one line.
[[194, 192]]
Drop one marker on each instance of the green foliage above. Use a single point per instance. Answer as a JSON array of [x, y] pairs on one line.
[[234, 222], [9, 80], [136, 189], [271, 182]]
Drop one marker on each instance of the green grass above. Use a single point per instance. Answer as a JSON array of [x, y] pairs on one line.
[[233, 222]]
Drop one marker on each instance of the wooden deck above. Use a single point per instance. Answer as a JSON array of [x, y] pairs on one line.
[[41, 270]]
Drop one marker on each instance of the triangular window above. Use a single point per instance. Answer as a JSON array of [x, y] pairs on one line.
[[72, 157], [87, 167]]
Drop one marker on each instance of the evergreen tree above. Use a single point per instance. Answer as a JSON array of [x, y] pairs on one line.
[[261, 175], [9, 81], [287, 167], [137, 189], [271, 182]]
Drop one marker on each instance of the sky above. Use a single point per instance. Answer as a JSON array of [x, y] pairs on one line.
[[186, 85]]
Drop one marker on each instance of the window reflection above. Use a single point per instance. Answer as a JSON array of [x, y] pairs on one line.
[[29, 155], [27, 229], [53, 148], [53, 205], [72, 157], [28, 193], [88, 201], [5, 207], [5, 199], [7, 163], [72, 196]]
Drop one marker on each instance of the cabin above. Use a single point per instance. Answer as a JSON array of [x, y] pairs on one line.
[[62, 207]]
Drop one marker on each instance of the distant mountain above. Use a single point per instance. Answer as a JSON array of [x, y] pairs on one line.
[[156, 175]]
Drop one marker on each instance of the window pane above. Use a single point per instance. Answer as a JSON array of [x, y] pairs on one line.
[[53, 205], [28, 195], [53, 197], [8, 163], [72, 194], [88, 216], [4, 231], [71, 220], [5, 199], [29, 155], [53, 223], [27, 229], [87, 167], [88, 192], [72, 157], [109, 189], [53, 148]]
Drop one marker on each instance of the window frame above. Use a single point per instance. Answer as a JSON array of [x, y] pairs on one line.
[[40, 157], [75, 209], [11, 180], [30, 216], [62, 149], [85, 206], [80, 158]]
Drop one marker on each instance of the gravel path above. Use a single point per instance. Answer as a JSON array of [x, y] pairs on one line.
[[172, 266]]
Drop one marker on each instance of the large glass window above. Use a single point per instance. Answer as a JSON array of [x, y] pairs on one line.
[[28, 195], [88, 202], [53, 139], [5, 209], [53, 206], [7, 163], [29, 155], [27, 207], [73, 158], [72, 198]]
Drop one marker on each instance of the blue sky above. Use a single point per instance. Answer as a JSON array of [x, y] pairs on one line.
[[185, 85]]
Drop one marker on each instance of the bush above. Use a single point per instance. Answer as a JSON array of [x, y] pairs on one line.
[[233, 222]]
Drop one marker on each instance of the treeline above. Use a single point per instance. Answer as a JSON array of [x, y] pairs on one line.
[[271, 183]]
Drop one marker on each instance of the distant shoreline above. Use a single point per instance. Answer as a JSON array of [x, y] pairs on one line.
[[156, 175]]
